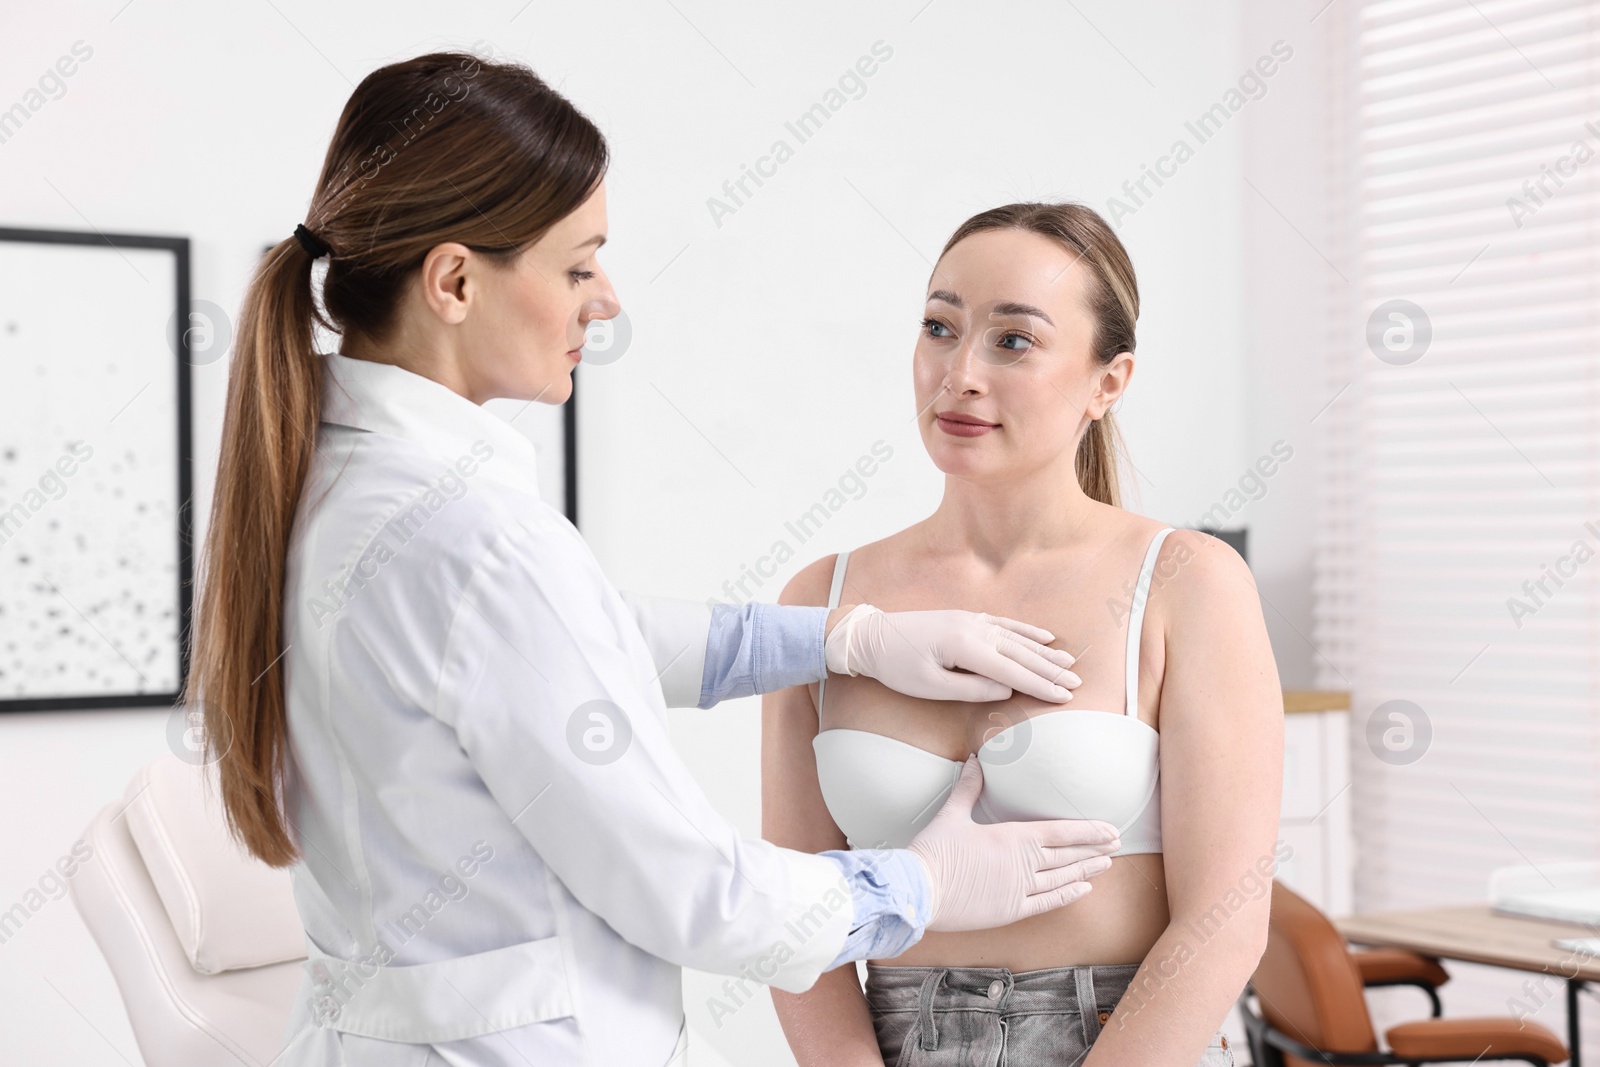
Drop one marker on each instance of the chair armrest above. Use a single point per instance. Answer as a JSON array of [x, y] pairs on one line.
[[1389, 966], [1499, 1036]]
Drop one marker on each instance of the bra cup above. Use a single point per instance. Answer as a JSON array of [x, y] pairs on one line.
[[1100, 765], [1075, 765], [881, 792]]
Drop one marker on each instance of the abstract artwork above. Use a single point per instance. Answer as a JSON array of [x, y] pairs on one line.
[[95, 469]]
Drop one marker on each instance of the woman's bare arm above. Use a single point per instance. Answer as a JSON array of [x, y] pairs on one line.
[[830, 1023], [1221, 722]]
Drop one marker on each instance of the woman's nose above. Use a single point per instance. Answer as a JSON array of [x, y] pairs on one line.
[[966, 373], [603, 305]]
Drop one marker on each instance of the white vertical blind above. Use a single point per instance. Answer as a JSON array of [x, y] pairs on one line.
[[1468, 183]]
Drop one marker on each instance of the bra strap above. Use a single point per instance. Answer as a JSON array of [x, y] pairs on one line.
[[833, 602], [1141, 594]]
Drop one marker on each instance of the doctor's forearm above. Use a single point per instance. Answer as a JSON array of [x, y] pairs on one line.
[[708, 653], [762, 648], [891, 902]]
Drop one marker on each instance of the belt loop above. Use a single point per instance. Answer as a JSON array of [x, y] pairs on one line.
[[930, 1036], [1088, 1010]]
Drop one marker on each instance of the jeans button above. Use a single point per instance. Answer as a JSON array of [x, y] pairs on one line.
[[1104, 1016], [996, 987]]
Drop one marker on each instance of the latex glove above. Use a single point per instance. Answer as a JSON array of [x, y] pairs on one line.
[[915, 652], [987, 875]]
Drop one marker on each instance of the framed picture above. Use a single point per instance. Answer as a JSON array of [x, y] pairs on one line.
[[95, 470]]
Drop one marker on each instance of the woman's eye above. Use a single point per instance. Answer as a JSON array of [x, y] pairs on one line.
[[1023, 342], [934, 326], [581, 275]]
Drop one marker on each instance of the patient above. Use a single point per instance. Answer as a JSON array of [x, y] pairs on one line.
[[1175, 734]]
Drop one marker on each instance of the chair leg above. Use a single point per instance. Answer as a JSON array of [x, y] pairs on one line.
[[1574, 1029], [1261, 1053]]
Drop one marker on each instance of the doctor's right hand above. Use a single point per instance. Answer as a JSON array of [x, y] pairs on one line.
[[987, 875]]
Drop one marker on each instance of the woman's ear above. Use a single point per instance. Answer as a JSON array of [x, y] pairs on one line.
[[1114, 378], [444, 278]]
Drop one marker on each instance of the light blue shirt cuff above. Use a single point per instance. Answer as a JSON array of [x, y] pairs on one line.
[[761, 648], [889, 887]]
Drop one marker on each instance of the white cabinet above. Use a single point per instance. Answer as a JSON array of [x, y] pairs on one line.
[[1315, 818]]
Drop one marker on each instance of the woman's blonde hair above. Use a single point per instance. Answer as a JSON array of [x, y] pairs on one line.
[[444, 147], [1113, 298]]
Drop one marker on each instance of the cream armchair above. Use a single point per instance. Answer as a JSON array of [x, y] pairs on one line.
[[203, 940]]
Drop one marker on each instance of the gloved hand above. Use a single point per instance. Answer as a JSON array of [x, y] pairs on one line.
[[912, 652], [991, 875]]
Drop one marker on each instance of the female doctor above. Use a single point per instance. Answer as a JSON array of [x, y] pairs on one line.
[[422, 692]]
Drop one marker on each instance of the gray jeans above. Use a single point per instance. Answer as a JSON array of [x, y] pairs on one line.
[[989, 1016]]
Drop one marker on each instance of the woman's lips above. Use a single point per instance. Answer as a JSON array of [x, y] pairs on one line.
[[575, 354], [957, 428]]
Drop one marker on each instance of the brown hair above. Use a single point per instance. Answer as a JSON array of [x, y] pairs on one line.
[[1113, 298], [444, 147]]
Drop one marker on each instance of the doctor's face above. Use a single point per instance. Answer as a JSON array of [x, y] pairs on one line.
[[1006, 381], [528, 334]]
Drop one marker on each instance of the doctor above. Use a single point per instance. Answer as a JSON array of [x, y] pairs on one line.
[[423, 693]]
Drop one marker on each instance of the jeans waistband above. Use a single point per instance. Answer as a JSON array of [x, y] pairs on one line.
[[1090, 991]]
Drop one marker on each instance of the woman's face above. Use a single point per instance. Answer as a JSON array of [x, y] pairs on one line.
[[527, 330], [1005, 380]]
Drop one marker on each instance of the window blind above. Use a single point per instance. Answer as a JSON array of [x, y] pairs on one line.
[[1457, 566]]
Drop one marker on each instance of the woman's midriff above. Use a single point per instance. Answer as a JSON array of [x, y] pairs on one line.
[[1118, 922]]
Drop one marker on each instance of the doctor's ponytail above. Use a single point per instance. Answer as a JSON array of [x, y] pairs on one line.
[[444, 147]]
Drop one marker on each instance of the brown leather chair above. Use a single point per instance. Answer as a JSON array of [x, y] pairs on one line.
[[1401, 966], [1313, 1009]]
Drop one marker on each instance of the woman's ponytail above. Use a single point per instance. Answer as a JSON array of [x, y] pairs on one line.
[[268, 444]]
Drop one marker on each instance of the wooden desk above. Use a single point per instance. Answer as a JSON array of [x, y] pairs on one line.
[[1476, 934]]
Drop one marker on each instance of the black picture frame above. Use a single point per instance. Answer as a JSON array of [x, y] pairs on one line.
[[569, 445], [183, 476]]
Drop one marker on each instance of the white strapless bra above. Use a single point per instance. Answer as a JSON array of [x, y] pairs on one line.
[[1076, 763]]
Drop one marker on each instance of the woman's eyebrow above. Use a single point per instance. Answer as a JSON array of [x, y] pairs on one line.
[[1010, 307], [1005, 307]]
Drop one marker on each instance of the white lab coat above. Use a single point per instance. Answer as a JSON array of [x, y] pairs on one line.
[[488, 868]]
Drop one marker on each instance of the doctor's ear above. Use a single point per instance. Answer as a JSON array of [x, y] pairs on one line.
[[1114, 378], [444, 278]]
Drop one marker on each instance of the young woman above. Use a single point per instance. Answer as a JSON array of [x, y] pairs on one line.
[[421, 691], [1175, 736]]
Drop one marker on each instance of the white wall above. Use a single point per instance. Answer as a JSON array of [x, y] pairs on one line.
[[1289, 276], [768, 352]]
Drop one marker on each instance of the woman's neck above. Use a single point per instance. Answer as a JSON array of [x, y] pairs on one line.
[[998, 521]]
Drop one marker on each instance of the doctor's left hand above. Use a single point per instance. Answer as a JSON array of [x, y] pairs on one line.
[[925, 654]]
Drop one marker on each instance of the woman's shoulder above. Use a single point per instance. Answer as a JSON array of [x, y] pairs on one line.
[[812, 583], [1196, 573], [1179, 547]]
